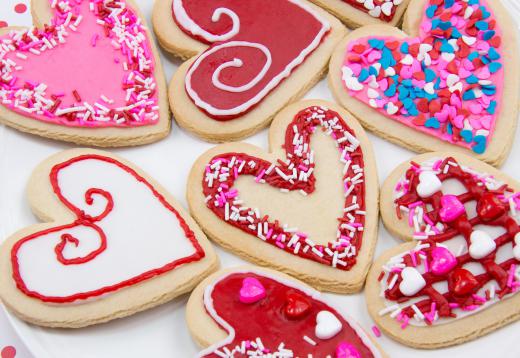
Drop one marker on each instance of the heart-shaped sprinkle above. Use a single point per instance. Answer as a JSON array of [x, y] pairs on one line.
[[462, 282], [327, 325], [252, 291], [429, 184], [347, 350], [481, 244], [451, 209], [443, 260], [297, 306], [412, 281], [489, 207], [516, 249]]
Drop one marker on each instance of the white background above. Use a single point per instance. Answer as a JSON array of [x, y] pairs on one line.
[[162, 332]]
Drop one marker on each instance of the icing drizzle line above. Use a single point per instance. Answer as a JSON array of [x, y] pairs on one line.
[[295, 173], [85, 220]]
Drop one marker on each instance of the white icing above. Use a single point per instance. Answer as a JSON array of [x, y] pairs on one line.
[[412, 281], [142, 235], [327, 325], [238, 63], [315, 295], [269, 86], [187, 22]]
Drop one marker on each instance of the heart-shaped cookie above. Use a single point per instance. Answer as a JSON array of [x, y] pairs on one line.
[[249, 59], [448, 82], [225, 326], [355, 13], [467, 265], [308, 208], [88, 73], [115, 243]]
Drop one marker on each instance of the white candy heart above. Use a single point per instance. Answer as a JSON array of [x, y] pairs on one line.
[[429, 88], [369, 4], [412, 281], [387, 8], [516, 249], [452, 79], [375, 12], [327, 325], [407, 60], [351, 82], [429, 184], [481, 244], [391, 108]]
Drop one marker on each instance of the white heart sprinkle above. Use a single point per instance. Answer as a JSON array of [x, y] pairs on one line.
[[397, 2], [407, 60], [387, 8], [516, 250], [481, 244], [468, 40], [391, 108], [327, 325], [412, 281], [448, 57], [351, 82], [429, 88], [375, 12], [429, 184], [372, 102], [372, 93], [424, 48], [452, 79], [468, 12], [390, 71], [457, 87], [369, 4]]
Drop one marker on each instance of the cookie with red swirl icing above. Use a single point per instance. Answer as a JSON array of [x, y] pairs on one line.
[[308, 207], [246, 60], [459, 278], [113, 242], [251, 311], [87, 73], [448, 82]]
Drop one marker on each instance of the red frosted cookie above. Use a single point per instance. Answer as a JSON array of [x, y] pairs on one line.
[[88, 73], [247, 60], [459, 279], [95, 259], [248, 311], [308, 207]]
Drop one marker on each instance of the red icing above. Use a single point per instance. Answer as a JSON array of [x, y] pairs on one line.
[[84, 219], [283, 27], [266, 319], [306, 122], [462, 284]]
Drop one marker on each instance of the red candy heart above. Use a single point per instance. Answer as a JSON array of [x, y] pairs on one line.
[[297, 306], [8, 352], [461, 282], [489, 207]]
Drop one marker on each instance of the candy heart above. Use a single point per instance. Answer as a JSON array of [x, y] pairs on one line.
[[427, 69], [347, 350], [87, 71], [8, 352], [489, 207], [97, 245], [481, 244], [429, 184], [281, 208], [451, 208], [516, 249], [297, 306], [442, 260], [327, 325], [275, 335], [252, 291], [412, 281], [462, 282]]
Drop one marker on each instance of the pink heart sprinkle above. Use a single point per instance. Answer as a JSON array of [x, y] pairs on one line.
[[451, 209], [252, 290], [347, 350], [443, 260], [486, 121]]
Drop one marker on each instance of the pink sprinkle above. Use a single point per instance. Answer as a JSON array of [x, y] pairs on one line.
[[94, 40], [279, 244], [259, 177], [414, 259], [453, 305], [479, 298], [376, 331], [511, 275]]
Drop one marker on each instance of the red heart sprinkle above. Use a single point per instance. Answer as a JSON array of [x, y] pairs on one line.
[[297, 306], [462, 283], [489, 207]]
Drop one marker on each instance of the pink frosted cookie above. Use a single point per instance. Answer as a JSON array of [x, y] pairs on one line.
[[289, 319], [247, 60], [86, 73], [308, 207], [450, 81], [114, 243], [460, 277]]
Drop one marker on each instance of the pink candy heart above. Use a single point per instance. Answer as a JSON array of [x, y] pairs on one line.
[[347, 350], [252, 290], [451, 209], [443, 260]]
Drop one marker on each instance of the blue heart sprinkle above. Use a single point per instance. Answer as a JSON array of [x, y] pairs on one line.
[[437, 83], [435, 23], [372, 71], [407, 83], [390, 92], [493, 54], [467, 135], [377, 44], [430, 11], [489, 90], [488, 35], [429, 74], [405, 48], [492, 107], [448, 3], [430, 97], [456, 33], [482, 25], [472, 79], [449, 129], [407, 103], [445, 25], [468, 95], [363, 75], [413, 111], [480, 146], [432, 123], [446, 47], [473, 55], [473, 2], [485, 13], [485, 60], [494, 67]]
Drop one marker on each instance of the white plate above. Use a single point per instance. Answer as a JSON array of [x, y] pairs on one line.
[[162, 332]]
